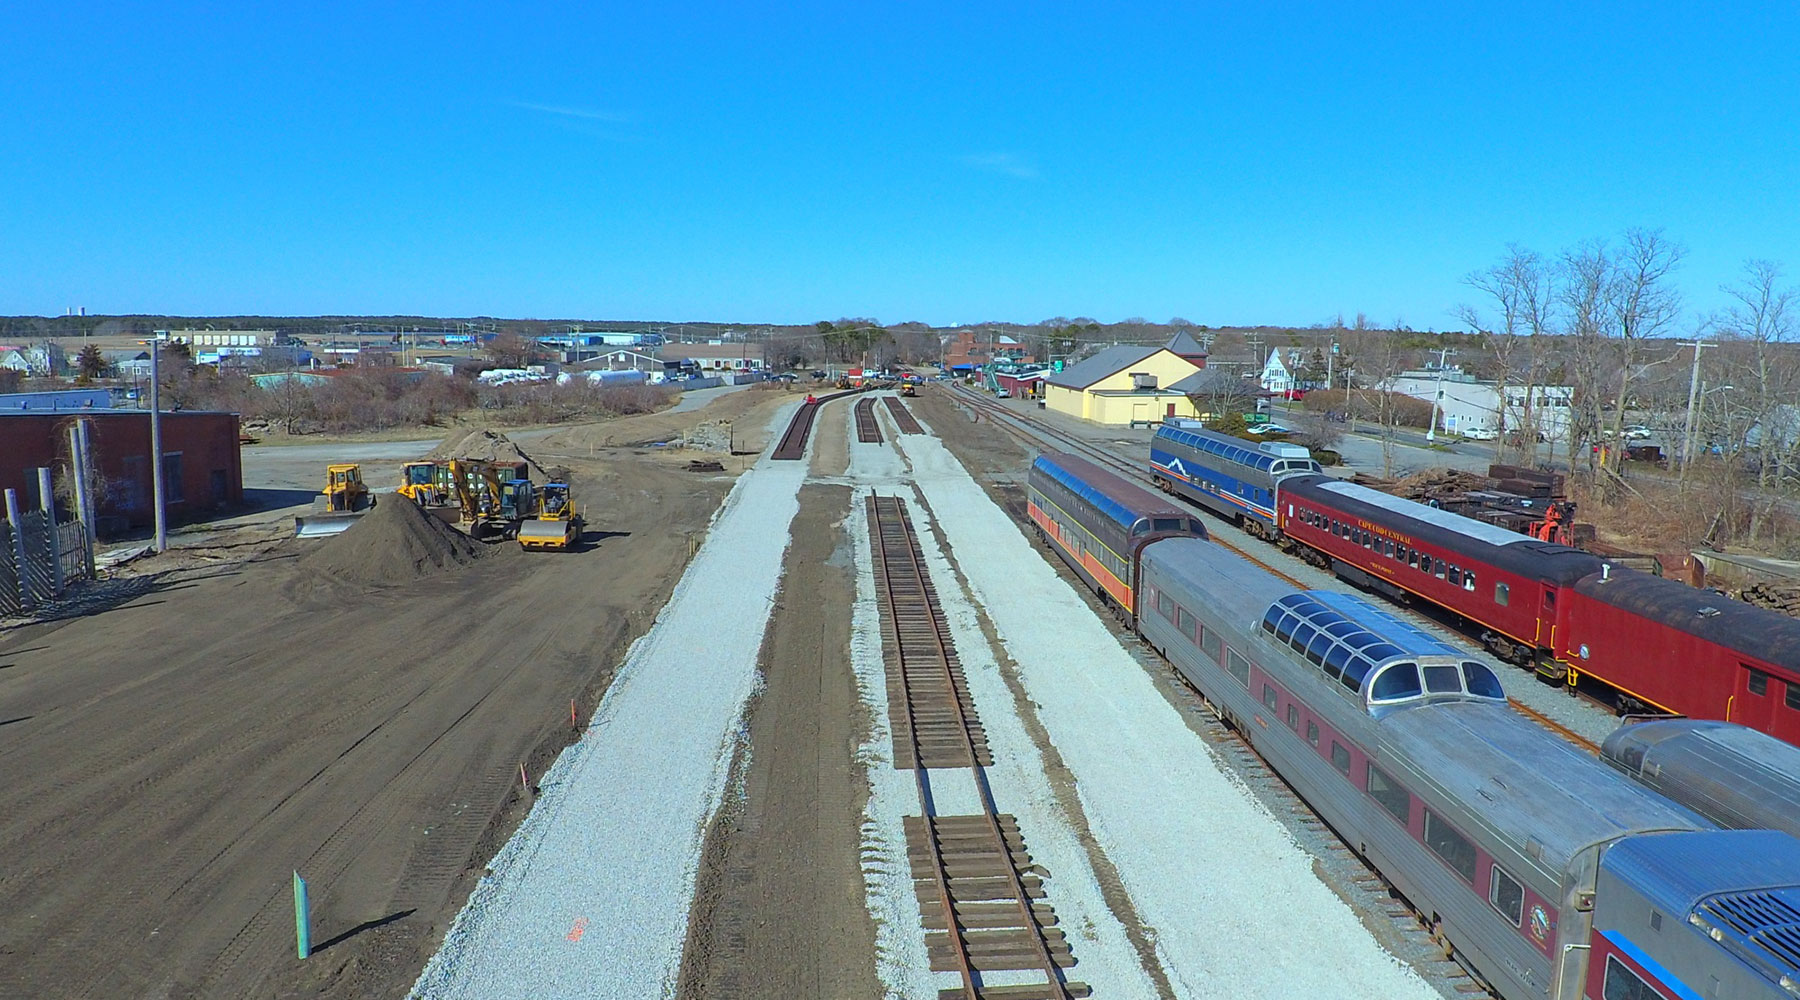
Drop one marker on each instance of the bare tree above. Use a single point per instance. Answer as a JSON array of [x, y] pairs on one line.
[[1761, 321], [1642, 302], [1586, 272]]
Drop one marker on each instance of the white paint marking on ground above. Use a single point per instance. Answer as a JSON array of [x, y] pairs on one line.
[[1232, 902], [614, 843]]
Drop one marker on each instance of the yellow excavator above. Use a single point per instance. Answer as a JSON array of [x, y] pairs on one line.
[[557, 524], [494, 497], [344, 499]]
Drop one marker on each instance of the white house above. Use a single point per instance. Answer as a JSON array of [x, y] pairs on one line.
[[1275, 375]]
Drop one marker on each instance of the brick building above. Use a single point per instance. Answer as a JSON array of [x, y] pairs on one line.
[[202, 467]]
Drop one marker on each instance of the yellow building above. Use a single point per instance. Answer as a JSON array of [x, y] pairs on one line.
[[1127, 384]]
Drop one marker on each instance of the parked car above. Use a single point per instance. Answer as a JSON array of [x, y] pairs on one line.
[[1481, 434], [1002, 393], [1637, 432]]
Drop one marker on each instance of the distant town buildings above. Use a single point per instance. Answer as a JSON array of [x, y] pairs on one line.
[[1468, 404], [970, 348]]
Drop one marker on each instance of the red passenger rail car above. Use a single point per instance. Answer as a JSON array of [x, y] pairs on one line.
[[1661, 645]]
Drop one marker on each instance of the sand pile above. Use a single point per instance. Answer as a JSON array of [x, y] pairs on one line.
[[393, 544], [484, 445]]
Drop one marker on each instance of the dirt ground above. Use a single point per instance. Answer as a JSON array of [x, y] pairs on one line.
[[228, 716], [779, 910]]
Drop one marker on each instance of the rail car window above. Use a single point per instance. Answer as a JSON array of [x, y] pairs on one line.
[[1396, 800], [1389, 546], [1293, 717], [1335, 658], [1316, 650], [1481, 681], [1165, 605], [1502, 594], [1199, 634], [1340, 758], [1214, 647], [1453, 847], [1239, 667], [1167, 524], [1443, 680], [1400, 553], [1412, 558], [1312, 733], [1269, 696], [1506, 895], [1396, 682], [1793, 695], [1624, 984], [1759, 682], [1271, 617], [1184, 621], [1455, 577], [1439, 567], [1469, 582], [1303, 634]]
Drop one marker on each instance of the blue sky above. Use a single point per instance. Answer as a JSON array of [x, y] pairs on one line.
[[1253, 163]]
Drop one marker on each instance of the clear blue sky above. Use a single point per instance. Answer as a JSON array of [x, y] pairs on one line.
[[954, 162]]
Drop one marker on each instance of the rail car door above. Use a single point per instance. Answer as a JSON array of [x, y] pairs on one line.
[[1753, 698], [1546, 619]]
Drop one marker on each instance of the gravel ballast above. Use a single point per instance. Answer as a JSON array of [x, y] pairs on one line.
[[1234, 905], [591, 896]]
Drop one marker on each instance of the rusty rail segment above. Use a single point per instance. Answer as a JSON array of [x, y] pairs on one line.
[[792, 446], [975, 882], [903, 417], [868, 429]]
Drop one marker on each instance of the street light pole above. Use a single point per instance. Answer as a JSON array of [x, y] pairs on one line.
[[1437, 397], [156, 463]]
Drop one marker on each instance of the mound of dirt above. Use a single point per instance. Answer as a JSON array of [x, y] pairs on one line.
[[395, 543], [484, 445]]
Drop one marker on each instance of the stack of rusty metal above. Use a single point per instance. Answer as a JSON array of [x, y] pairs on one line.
[[1508, 496], [1784, 598], [1527, 482]]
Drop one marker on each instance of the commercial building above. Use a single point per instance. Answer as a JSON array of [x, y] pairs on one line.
[[968, 349], [1127, 384], [1468, 404], [202, 468], [738, 357], [57, 399]]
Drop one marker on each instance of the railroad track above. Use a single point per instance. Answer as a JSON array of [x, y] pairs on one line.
[[792, 446], [868, 429], [1035, 432], [903, 417], [979, 894]]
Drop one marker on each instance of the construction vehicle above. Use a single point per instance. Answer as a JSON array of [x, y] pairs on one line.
[[557, 525], [494, 498], [909, 389], [426, 483], [344, 499]]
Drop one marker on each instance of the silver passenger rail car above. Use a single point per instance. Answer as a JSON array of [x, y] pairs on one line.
[[1489, 825], [1739, 778]]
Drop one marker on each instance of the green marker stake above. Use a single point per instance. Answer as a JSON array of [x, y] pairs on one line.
[[302, 919]]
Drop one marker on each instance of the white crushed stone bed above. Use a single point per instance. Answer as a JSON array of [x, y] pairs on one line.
[[1102, 950], [1232, 903], [590, 896]]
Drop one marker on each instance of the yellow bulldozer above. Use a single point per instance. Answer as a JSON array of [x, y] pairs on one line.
[[427, 483], [344, 499], [557, 524]]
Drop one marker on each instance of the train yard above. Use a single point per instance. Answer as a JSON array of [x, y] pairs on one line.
[[868, 737]]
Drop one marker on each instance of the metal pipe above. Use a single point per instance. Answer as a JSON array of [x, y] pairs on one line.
[[47, 504], [18, 540]]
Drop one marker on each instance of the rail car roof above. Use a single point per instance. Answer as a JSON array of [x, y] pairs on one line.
[[1736, 776], [1113, 495], [1211, 572], [1222, 445], [1508, 550], [1530, 785], [1758, 633], [1743, 885]]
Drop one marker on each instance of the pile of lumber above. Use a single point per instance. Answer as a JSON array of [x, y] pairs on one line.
[[1528, 482], [1784, 598]]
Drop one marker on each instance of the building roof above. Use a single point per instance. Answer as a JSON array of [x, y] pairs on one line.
[[1215, 380], [1108, 362], [745, 350], [1184, 344]]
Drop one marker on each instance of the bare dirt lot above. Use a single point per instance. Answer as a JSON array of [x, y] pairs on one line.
[[778, 909], [170, 761]]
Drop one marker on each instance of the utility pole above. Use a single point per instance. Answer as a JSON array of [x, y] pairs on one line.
[[156, 462], [1437, 398], [1331, 364], [1687, 427]]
